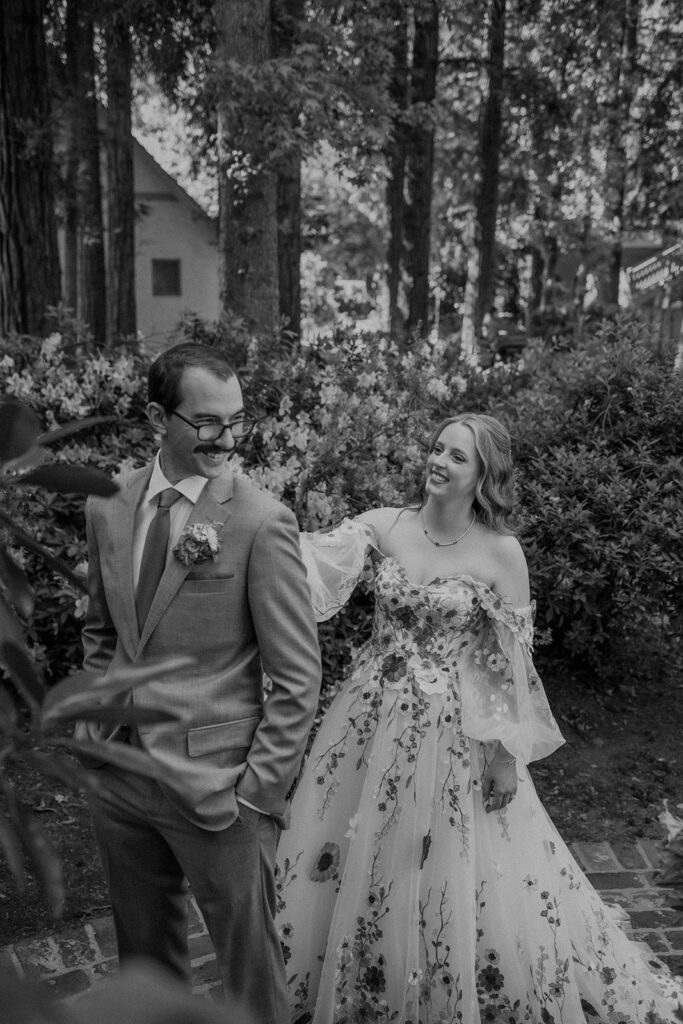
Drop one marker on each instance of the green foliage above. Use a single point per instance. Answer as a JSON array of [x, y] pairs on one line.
[[600, 449], [55, 378], [33, 719], [598, 443]]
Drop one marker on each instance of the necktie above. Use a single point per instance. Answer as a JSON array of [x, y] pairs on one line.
[[154, 553]]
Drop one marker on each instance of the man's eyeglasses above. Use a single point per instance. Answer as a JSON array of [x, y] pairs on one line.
[[240, 427]]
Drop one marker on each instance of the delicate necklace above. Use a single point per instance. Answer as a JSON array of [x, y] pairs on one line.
[[449, 543]]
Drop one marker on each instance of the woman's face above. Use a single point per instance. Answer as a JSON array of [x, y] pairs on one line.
[[453, 465]]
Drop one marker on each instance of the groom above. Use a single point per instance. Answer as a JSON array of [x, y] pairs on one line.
[[189, 559]]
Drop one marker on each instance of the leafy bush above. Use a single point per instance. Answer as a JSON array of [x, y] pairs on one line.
[[55, 378], [598, 441], [33, 720], [600, 448]]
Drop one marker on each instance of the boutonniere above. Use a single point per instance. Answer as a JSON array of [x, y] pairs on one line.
[[197, 543]]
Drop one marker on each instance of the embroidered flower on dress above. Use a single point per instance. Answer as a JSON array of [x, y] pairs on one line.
[[197, 543], [327, 863], [430, 679]]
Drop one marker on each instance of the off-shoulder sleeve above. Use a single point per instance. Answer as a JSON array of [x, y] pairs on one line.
[[502, 694], [335, 561]]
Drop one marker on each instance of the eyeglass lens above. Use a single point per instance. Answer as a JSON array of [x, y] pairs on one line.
[[239, 428]]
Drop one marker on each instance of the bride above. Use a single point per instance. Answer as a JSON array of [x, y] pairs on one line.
[[422, 881]]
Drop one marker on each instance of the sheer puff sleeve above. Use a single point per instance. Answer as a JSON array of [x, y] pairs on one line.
[[502, 695], [335, 562]]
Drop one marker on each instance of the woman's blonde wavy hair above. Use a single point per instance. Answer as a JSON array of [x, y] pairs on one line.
[[494, 496]]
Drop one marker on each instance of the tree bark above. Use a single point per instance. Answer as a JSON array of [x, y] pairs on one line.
[[29, 261], [247, 195], [92, 307], [396, 160], [71, 143], [617, 128], [420, 166], [120, 183], [481, 270], [287, 16]]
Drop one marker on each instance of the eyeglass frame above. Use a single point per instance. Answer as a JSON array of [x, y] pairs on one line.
[[223, 426]]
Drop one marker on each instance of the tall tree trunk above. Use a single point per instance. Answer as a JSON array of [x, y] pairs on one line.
[[120, 183], [617, 129], [247, 220], [92, 305], [396, 160], [287, 16], [29, 261], [420, 165], [71, 159], [481, 269]]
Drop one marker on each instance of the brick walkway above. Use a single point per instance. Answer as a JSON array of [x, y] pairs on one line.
[[69, 962]]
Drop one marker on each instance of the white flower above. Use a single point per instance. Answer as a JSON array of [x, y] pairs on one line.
[[430, 679], [197, 543]]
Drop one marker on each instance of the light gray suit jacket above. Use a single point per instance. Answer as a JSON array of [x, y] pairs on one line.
[[247, 612]]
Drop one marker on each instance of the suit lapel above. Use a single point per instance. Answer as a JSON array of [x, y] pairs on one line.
[[212, 507]]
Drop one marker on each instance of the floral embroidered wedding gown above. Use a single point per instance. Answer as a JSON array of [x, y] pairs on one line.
[[399, 898]]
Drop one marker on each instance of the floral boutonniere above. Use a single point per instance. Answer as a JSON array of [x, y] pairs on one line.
[[197, 543]]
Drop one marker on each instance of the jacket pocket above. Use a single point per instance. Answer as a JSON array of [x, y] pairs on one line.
[[206, 585], [232, 736]]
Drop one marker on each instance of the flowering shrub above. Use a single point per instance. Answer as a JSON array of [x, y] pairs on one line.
[[61, 383], [597, 438]]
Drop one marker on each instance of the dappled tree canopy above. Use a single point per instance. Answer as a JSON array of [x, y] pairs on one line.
[[444, 155]]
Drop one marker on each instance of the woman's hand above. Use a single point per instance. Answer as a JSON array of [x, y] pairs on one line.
[[499, 782]]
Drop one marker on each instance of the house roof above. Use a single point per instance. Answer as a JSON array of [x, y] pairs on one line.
[[170, 189]]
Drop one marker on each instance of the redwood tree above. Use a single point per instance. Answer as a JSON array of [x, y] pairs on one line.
[[396, 153], [287, 17], [420, 165], [120, 183], [618, 123], [481, 270], [247, 190], [84, 274], [29, 262]]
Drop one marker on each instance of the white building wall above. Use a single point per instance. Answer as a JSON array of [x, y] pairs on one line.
[[171, 226]]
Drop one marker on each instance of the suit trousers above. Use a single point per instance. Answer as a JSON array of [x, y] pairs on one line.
[[149, 850]]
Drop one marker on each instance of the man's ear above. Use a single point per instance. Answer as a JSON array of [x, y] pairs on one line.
[[156, 414]]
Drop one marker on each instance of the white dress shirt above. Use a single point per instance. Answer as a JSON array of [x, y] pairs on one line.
[[190, 488]]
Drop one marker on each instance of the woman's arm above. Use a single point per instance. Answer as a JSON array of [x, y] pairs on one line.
[[499, 780]]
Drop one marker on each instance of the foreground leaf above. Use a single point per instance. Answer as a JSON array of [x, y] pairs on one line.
[[59, 433], [66, 479], [86, 688], [124, 715], [23, 672], [10, 627], [45, 861], [8, 712], [30, 1002], [19, 429], [11, 846], [19, 590], [121, 754], [27, 541], [60, 767], [148, 993]]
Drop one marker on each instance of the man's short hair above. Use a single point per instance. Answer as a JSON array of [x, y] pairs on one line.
[[165, 373]]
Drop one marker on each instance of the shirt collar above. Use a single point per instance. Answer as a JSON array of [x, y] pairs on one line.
[[191, 487]]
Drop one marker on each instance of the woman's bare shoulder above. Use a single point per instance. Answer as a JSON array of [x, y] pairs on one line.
[[382, 520], [511, 572]]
